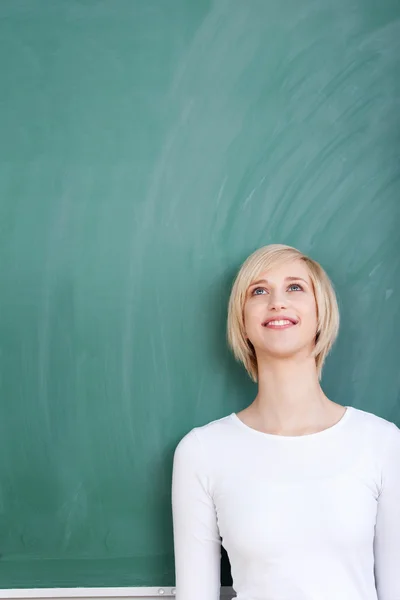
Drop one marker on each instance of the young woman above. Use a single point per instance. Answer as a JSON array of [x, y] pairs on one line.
[[303, 493]]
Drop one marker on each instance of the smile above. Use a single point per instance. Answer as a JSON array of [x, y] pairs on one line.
[[279, 324]]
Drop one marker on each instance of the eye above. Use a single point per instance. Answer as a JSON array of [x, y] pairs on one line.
[[259, 291], [296, 285]]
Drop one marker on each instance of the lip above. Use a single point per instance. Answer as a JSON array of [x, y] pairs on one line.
[[292, 320]]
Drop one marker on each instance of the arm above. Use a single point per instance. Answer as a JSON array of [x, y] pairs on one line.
[[197, 543], [387, 529]]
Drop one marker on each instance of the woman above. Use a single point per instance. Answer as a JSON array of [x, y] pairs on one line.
[[304, 493]]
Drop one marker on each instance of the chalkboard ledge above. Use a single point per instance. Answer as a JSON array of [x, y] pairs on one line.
[[108, 593]]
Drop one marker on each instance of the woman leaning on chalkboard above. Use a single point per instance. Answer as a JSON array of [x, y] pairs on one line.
[[304, 493]]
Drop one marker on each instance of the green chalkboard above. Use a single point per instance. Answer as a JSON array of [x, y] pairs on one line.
[[147, 147]]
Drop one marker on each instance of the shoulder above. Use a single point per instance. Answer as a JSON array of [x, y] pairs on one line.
[[376, 426], [382, 436], [206, 439]]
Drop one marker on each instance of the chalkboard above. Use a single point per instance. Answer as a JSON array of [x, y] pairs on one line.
[[147, 147]]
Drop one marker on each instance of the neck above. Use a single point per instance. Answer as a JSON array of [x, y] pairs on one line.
[[290, 397]]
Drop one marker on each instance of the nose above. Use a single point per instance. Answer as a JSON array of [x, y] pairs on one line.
[[276, 301]]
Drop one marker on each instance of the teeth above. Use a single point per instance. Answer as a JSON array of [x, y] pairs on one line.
[[283, 322]]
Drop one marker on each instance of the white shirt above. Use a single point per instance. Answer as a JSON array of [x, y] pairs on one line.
[[302, 518]]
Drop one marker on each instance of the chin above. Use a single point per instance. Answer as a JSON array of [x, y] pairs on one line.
[[283, 353]]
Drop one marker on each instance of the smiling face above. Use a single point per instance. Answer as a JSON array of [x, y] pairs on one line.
[[280, 311]]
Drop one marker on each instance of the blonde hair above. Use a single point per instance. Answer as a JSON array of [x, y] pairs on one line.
[[325, 297]]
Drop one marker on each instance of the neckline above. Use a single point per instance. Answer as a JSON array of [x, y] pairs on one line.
[[307, 436]]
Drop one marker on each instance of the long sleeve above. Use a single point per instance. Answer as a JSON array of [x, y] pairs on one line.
[[387, 530], [197, 542]]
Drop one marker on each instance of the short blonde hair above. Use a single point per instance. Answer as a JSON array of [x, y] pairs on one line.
[[327, 306]]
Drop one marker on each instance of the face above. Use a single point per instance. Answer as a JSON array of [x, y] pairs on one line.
[[280, 311]]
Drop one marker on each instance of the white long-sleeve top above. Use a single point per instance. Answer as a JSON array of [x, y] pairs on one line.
[[313, 517]]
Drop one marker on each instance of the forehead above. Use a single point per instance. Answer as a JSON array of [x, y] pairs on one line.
[[290, 268]]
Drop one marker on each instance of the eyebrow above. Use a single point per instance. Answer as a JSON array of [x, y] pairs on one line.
[[286, 279]]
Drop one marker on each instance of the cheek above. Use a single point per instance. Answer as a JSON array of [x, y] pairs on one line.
[[253, 315], [309, 314]]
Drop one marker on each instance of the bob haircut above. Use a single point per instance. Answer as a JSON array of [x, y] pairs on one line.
[[327, 307]]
